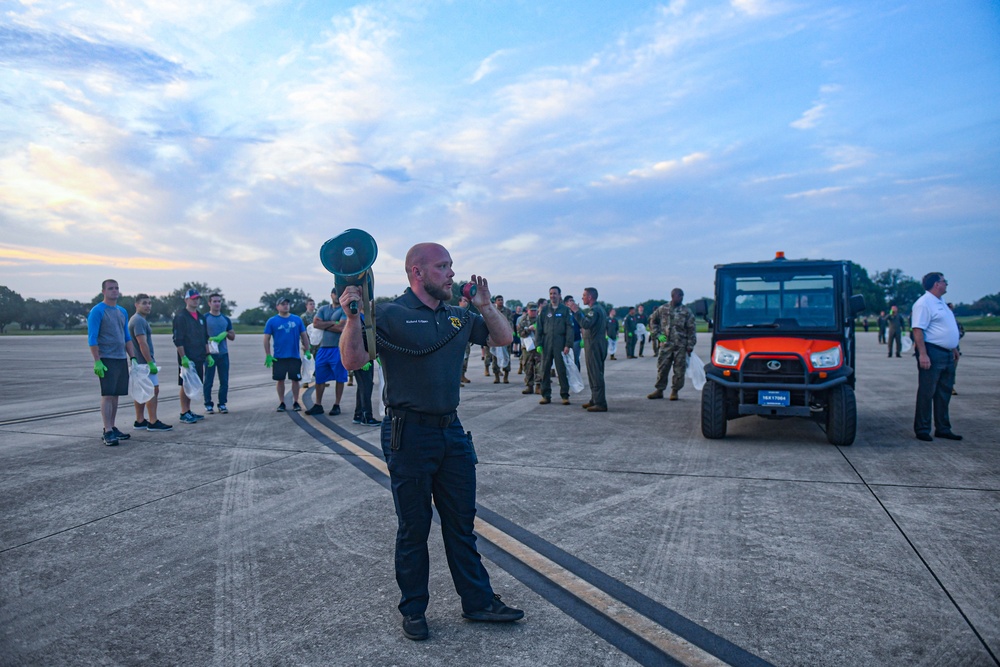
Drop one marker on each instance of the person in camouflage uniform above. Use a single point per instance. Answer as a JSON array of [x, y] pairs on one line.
[[593, 325], [530, 357], [673, 325], [490, 357]]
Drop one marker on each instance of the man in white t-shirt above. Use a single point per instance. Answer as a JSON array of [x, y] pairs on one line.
[[935, 337]]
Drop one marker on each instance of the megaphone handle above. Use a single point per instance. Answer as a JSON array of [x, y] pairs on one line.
[[353, 306]]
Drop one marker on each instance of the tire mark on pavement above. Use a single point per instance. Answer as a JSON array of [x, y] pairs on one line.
[[238, 626]]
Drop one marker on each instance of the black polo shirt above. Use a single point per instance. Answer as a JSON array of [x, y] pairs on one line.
[[428, 383]]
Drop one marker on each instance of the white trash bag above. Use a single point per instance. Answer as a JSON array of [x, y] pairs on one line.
[[695, 371], [213, 347], [140, 387], [640, 331], [907, 344], [315, 335], [572, 373], [502, 356], [192, 383], [528, 343], [381, 391], [308, 368]]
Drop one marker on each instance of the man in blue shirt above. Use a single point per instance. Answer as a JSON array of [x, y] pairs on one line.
[[220, 330], [288, 334], [111, 347]]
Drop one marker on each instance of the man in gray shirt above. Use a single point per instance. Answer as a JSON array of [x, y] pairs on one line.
[[142, 338], [330, 319]]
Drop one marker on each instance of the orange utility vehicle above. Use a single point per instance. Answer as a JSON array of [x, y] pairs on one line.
[[783, 346]]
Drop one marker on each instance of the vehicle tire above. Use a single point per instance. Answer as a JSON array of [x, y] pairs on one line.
[[713, 410], [841, 416]]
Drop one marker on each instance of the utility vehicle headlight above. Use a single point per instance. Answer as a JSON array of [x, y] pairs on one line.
[[723, 356], [826, 359]]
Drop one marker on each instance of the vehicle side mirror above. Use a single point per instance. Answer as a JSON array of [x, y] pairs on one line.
[[700, 308], [711, 325], [857, 304]]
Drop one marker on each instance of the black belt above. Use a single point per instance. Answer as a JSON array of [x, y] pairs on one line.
[[423, 418], [943, 349]]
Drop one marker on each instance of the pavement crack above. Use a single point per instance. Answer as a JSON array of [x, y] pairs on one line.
[[923, 560]]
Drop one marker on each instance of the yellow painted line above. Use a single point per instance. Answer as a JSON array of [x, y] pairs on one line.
[[673, 645]]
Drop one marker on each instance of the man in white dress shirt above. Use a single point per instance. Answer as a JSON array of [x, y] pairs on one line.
[[935, 337]]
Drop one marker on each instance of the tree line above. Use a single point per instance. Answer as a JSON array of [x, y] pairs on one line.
[[881, 290]]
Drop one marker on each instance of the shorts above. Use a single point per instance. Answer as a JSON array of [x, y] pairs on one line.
[[289, 367], [115, 380], [328, 366], [197, 364]]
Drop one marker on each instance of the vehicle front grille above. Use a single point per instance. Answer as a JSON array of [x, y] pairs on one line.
[[791, 371]]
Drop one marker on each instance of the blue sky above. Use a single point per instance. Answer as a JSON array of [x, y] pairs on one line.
[[629, 146]]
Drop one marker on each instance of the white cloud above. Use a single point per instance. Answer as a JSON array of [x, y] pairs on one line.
[[487, 66], [810, 118], [820, 192]]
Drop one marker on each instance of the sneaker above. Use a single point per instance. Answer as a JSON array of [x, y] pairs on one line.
[[495, 612], [281, 407], [188, 418], [223, 410], [316, 409], [371, 421], [140, 426], [415, 627], [334, 411], [197, 418], [209, 410], [296, 407], [109, 438], [358, 419], [119, 434], [159, 426]]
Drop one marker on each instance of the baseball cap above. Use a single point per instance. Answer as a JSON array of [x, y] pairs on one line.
[[532, 306], [192, 294], [280, 301]]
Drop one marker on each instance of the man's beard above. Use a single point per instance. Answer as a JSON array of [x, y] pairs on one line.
[[438, 292]]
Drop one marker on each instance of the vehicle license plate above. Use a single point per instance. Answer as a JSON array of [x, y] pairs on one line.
[[773, 398]]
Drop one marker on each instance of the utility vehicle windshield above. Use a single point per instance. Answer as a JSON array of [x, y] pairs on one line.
[[778, 299]]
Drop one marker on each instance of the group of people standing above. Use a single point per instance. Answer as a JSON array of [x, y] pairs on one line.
[[548, 332], [114, 338]]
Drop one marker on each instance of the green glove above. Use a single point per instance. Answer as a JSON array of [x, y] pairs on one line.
[[538, 349], [135, 362], [309, 355], [211, 361], [219, 338], [100, 369], [630, 335], [185, 362], [581, 343], [662, 338], [367, 367], [268, 360], [153, 370]]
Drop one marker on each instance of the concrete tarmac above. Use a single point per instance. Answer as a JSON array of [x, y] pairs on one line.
[[259, 538]]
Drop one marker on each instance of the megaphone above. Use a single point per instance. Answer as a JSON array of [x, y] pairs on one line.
[[349, 256]]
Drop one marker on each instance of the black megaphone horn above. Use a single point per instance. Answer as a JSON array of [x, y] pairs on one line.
[[349, 257]]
